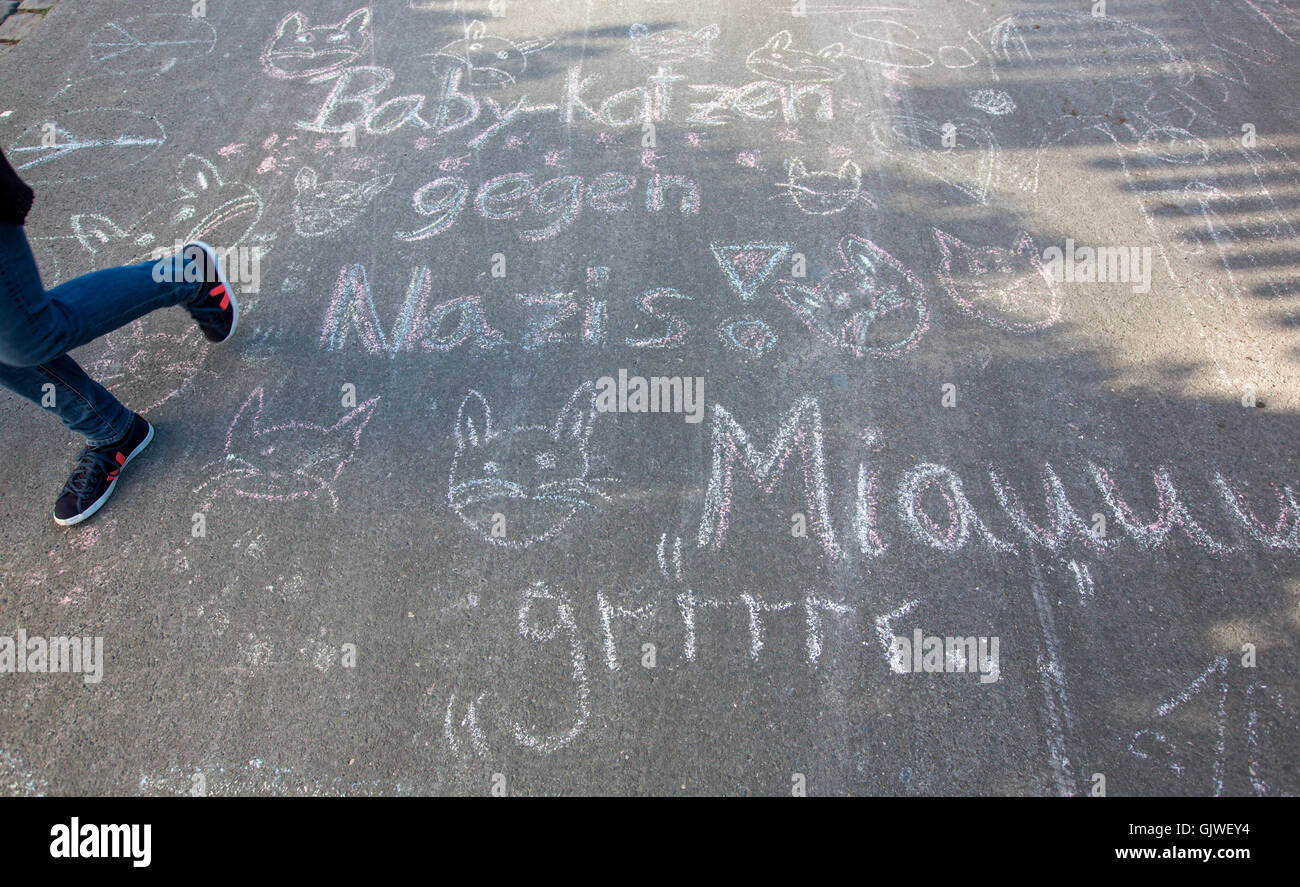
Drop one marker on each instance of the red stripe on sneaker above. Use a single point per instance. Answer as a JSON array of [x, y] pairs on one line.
[[218, 290], [121, 460], [225, 302]]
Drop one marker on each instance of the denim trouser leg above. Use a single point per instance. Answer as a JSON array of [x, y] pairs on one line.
[[38, 328], [82, 404]]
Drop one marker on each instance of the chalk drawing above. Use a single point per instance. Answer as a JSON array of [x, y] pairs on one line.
[[800, 436], [489, 711], [538, 212], [1083, 582], [669, 46], [205, 207], [969, 165], [871, 306], [1280, 535], [934, 512], [1065, 524], [88, 144], [748, 266], [865, 506], [489, 60], [325, 207], [962, 520], [299, 51], [823, 193], [1009, 289], [1171, 513], [147, 367], [150, 43], [994, 102], [284, 461], [776, 60], [1280, 17], [749, 336], [886, 51], [1216, 673], [1056, 697], [535, 477], [689, 605], [885, 633]]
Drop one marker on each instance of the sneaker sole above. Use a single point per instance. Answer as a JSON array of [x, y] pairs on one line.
[[221, 278], [99, 503]]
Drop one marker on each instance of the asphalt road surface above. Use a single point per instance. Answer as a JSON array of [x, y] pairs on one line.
[[983, 318]]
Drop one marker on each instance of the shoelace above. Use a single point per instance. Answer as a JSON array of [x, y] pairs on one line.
[[206, 314], [102, 460]]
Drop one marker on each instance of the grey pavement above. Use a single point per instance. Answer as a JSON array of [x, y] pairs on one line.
[[994, 309]]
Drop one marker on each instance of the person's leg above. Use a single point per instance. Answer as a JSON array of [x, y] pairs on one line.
[[37, 325], [38, 328], [82, 404]]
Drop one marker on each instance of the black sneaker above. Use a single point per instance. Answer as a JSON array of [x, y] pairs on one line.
[[96, 474], [215, 310]]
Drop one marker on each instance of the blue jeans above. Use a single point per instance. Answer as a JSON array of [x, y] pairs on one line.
[[38, 328]]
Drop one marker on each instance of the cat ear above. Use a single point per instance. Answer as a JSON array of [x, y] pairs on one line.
[[361, 414], [475, 29], [376, 186], [833, 51], [795, 168], [473, 421], [295, 20], [305, 180], [578, 415], [197, 175], [780, 40], [949, 245], [1026, 248], [247, 421], [850, 173], [359, 19]]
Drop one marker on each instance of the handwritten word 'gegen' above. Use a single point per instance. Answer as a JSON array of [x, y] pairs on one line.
[[554, 204]]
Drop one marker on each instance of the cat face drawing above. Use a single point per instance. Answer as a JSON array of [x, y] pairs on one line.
[[871, 306], [519, 486], [488, 60], [299, 51], [1009, 289], [206, 208], [325, 207], [822, 193], [284, 461], [149, 366], [775, 60]]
